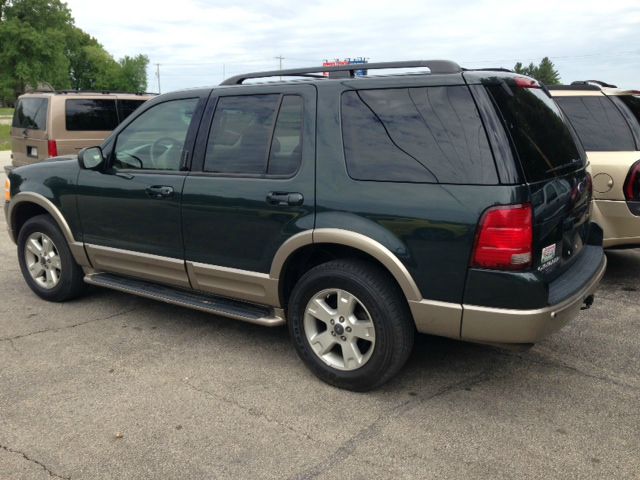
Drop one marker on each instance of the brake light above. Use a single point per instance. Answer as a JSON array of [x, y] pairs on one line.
[[52, 148], [523, 82], [632, 183], [505, 238]]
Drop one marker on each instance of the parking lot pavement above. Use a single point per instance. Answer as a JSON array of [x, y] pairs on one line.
[[114, 386]]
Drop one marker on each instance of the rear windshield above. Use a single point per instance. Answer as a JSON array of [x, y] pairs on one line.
[[127, 107], [600, 125], [91, 115], [31, 113], [543, 141]]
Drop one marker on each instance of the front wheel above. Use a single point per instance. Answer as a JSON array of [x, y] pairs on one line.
[[350, 324], [46, 261]]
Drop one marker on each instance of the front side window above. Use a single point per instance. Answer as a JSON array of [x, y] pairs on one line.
[[92, 115], [256, 135], [31, 113], [599, 124], [155, 140], [427, 134]]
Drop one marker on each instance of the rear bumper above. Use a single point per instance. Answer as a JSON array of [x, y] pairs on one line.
[[506, 326], [621, 227]]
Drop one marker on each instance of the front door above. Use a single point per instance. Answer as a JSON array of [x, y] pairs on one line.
[[130, 211], [251, 187]]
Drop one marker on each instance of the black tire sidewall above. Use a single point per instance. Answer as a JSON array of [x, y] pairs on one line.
[[70, 269], [367, 376]]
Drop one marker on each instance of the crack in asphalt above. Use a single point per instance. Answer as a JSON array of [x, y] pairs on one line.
[[33, 460], [347, 448], [547, 362], [251, 411], [56, 329]]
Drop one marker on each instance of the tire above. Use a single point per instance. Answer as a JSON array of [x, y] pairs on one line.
[[43, 231], [381, 325]]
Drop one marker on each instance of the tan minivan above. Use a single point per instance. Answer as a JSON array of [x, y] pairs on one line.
[[48, 124], [607, 120]]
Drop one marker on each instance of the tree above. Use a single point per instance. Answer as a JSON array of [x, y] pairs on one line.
[[40, 43], [545, 72]]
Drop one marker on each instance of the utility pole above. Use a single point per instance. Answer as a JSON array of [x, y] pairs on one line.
[[280, 58], [158, 76]]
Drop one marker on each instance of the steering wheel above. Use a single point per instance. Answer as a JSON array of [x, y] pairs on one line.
[[167, 144]]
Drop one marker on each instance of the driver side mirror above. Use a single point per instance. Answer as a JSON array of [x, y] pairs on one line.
[[90, 158]]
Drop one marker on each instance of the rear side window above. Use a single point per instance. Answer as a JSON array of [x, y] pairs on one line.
[[431, 134], [31, 113], [127, 107], [600, 125], [543, 141], [633, 103], [90, 115], [256, 135]]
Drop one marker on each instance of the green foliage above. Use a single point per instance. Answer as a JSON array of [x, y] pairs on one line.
[[5, 137], [545, 72], [40, 43]]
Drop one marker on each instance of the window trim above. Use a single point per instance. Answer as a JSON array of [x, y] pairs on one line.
[[187, 147], [259, 176]]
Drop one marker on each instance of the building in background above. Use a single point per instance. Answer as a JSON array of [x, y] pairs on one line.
[[347, 61]]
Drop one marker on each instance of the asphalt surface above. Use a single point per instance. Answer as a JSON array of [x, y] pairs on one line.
[[114, 386]]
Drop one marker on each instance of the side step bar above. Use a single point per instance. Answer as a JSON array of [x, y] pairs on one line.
[[225, 307]]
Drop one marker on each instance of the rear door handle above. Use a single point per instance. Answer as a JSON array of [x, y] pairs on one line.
[[293, 199], [159, 191]]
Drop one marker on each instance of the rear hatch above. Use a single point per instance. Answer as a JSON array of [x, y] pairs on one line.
[[553, 164]]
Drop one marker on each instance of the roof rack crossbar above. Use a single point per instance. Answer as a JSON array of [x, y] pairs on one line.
[[348, 71]]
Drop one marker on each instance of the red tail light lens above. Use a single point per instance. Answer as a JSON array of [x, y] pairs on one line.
[[505, 238], [52, 148], [632, 183], [523, 82]]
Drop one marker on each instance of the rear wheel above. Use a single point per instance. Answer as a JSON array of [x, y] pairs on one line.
[[350, 324], [46, 261]]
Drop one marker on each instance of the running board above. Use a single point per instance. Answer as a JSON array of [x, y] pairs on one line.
[[225, 307]]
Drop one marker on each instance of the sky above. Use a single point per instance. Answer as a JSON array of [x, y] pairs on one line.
[[199, 42]]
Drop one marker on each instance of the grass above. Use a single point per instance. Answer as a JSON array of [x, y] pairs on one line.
[[6, 112], [5, 137]]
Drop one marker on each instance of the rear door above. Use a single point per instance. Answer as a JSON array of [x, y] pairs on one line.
[[554, 167], [251, 186], [29, 130]]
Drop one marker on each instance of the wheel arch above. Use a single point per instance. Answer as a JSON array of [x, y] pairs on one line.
[[311, 247], [26, 205]]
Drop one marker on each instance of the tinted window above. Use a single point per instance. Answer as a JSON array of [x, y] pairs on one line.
[[286, 148], [542, 139], [431, 134], [91, 115], [31, 113], [244, 138], [127, 107], [155, 139], [599, 124], [633, 103]]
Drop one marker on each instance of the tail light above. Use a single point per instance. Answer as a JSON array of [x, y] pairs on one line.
[[505, 238], [7, 190], [632, 183], [52, 148]]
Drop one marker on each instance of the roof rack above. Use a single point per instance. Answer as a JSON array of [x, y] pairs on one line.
[[106, 92], [348, 71], [592, 82], [575, 86]]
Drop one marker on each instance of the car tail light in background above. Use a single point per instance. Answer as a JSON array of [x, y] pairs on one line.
[[523, 82], [52, 148], [505, 238], [632, 183]]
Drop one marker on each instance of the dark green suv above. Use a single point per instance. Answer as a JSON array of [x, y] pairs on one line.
[[356, 210]]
